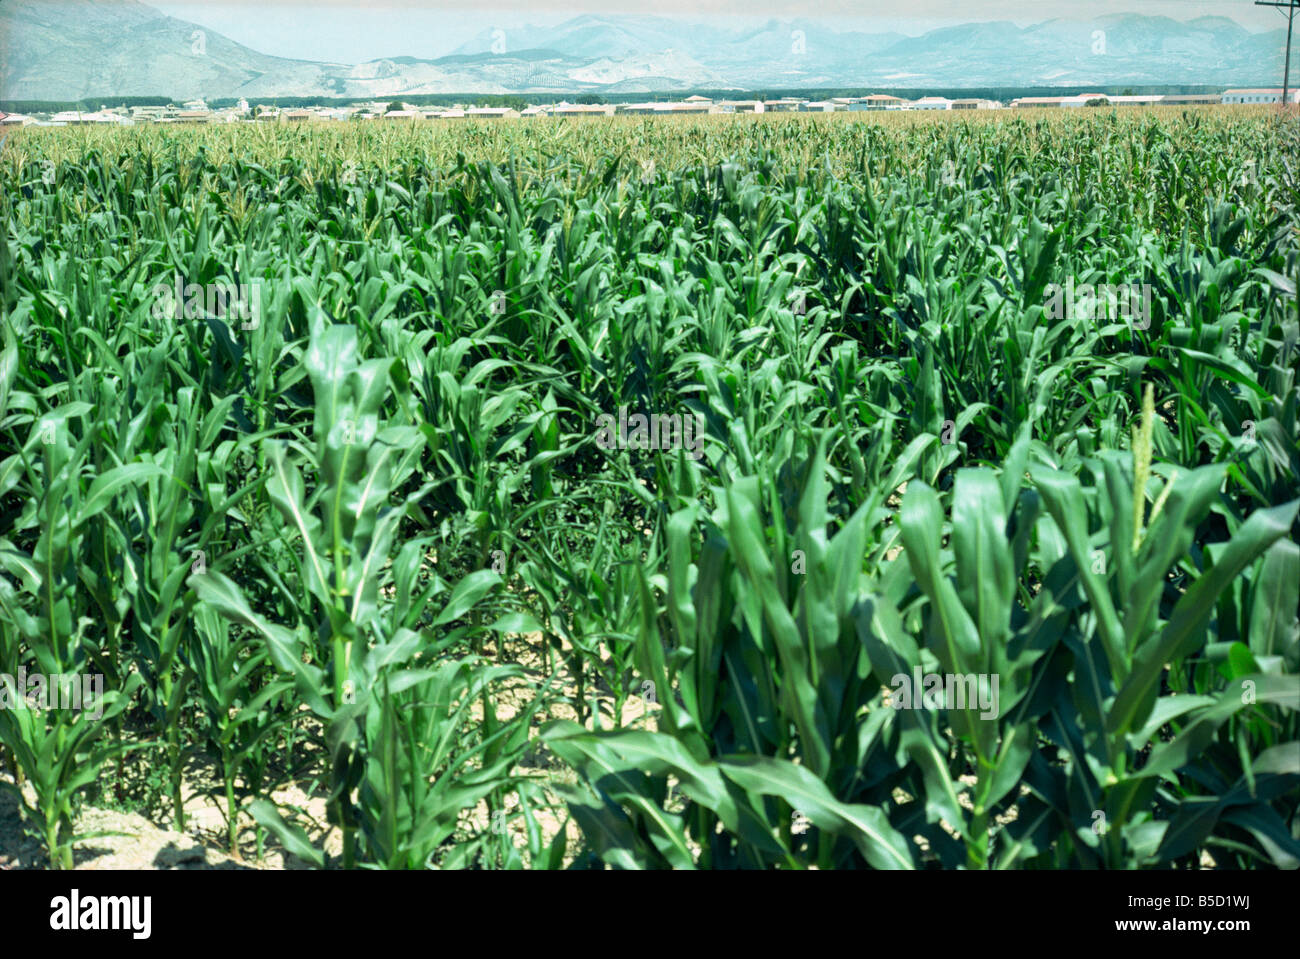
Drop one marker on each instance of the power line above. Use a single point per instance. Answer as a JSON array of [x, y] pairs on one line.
[[1291, 6]]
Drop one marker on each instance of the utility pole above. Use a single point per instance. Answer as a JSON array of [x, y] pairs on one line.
[[1291, 6]]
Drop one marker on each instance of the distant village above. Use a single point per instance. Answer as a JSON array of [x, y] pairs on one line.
[[197, 111]]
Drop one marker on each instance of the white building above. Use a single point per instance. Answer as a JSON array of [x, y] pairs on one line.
[[1191, 99], [99, 118], [1135, 101], [148, 114], [1038, 103], [931, 103], [583, 110], [877, 101], [1260, 96], [1075, 102]]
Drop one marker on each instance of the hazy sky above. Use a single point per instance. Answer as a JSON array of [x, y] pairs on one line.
[[351, 31]]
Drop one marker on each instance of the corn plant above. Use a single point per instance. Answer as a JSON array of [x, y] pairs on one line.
[[371, 537]]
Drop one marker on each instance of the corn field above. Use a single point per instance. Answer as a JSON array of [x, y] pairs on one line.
[[582, 495]]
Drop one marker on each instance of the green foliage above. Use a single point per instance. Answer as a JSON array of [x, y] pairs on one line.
[[374, 535]]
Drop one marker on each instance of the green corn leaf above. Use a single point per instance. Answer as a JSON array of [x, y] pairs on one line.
[[1136, 697]]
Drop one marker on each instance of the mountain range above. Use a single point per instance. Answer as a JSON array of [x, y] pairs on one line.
[[102, 48]]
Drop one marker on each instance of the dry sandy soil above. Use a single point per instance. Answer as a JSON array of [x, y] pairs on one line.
[[117, 839], [114, 839]]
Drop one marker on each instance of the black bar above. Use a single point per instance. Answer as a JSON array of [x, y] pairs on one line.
[[262, 909]]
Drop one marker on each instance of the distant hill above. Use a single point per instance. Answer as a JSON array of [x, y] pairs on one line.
[[73, 49], [68, 50]]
